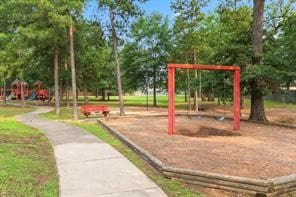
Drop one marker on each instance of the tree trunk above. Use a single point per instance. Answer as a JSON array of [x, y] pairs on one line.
[[154, 88], [73, 72], [61, 93], [257, 101], [56, 82], [118, 73], [67, 95], [103, 94], [4, 91], [189, 91], [85, 92], [106, 94], [188, 85], [242, 101], [200, 94], [49, 97], [195, 101], [147, 96], [288, 83], [23, 104], [185, 94], [67, 88]]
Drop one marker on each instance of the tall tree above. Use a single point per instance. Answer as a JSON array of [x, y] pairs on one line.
[[73, 71], [147, 54], [116, 56], [257, 101], [56, 82], [94, 65], [119, 13], [75, 10], [41, 27], [187, 23]]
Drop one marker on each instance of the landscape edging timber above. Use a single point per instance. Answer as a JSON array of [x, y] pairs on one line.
[[269, 187]]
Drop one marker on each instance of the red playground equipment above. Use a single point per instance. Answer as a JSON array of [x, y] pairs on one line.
[[171, 91], [39, 91], [16, 87]]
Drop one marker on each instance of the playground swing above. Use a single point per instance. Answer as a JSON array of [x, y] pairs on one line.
[[171, 91], [222, 118]]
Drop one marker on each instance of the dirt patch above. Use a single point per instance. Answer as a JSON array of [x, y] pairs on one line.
[[255, 151], [206, 132]]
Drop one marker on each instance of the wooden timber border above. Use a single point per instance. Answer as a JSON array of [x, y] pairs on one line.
[[257, 187]]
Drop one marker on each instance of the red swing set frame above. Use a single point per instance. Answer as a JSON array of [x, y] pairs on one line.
[[171, 91]]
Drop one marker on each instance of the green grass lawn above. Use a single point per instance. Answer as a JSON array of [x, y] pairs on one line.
[[66, 114], [139, 101], [171, 187], [27, 164], [272, 104]]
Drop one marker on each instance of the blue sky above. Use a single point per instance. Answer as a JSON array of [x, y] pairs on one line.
[[161, 6]]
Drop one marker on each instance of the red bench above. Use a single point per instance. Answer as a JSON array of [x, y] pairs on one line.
[[89, 109]]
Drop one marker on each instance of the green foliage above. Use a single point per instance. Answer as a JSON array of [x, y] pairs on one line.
[[94, 65], [34, 30], [123, 8], [187, 28], [146, 56], [27, 165], [30, 30]]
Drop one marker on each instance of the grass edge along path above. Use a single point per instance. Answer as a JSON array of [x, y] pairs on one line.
[[170, 186], [27, 162]]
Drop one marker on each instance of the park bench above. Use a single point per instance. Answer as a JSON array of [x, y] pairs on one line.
[[89, 109]]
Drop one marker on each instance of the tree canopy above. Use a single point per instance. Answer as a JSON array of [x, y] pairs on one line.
[[130, 52]]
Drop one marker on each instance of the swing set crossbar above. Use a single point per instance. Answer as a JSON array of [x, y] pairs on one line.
[[204, 67], [171, 91]]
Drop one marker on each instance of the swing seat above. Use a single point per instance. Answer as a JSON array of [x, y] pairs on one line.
[[222, 118]]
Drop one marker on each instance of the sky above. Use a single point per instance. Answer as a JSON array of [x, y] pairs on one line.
[[161, 6]]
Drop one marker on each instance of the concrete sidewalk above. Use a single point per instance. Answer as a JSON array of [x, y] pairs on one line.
[[87, 166]]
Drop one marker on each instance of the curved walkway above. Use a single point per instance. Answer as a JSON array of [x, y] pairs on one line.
[[87, 166]]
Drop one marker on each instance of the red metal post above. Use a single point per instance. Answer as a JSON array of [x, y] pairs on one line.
[[236, 99], [171, 100], [204, 67]]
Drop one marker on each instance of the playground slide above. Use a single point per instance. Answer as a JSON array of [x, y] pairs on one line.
[[32, 97], [8, 98]]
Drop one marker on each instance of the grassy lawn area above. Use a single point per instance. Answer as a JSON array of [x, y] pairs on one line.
[[66, 114], [139, 101], [272, 104], [171, 187], [27, 164]]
